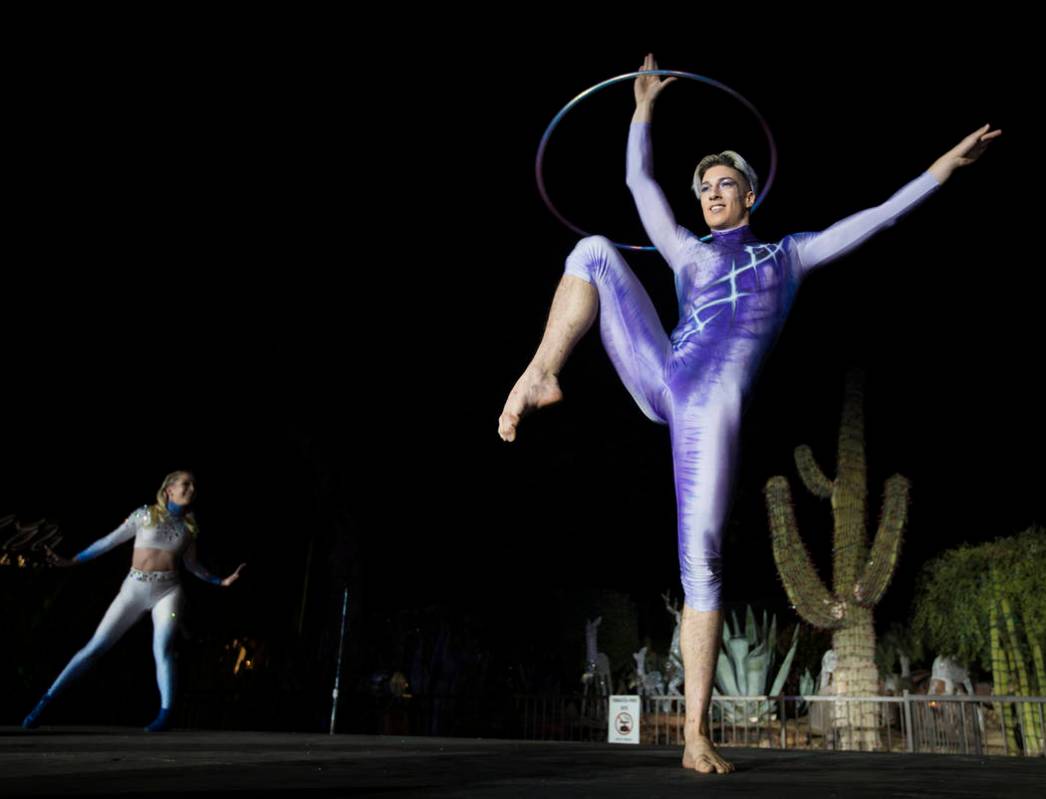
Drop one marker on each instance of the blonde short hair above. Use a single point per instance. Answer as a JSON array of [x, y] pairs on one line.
[[726, 158]]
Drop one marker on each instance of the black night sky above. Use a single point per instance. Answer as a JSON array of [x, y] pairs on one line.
[[310, 269]]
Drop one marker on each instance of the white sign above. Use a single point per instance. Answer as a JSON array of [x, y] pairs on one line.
[[624, 719]]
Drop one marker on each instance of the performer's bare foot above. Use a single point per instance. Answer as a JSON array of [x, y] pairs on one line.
[[702, 756], [534, 389]]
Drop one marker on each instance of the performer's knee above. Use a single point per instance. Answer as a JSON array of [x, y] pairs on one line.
[[163, 646], [702, 580], [82, 661], [164, 627], [589, 259], [95, 648]]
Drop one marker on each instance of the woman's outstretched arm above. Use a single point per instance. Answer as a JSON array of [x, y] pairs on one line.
[[193, 565], [125, 532]]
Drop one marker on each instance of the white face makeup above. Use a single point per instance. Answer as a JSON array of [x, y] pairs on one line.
[[722, 202], [181, 490]]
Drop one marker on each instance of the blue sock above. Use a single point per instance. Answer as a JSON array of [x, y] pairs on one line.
[[33, 719], [162, 722]]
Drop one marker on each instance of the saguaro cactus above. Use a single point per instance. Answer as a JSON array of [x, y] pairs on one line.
[[859, 577]]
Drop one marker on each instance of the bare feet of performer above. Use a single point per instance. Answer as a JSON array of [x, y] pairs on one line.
[[573, 310], [702, 756], [699, 639], [534, 389]]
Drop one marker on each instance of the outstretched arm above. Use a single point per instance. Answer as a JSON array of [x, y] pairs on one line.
[[653, 207], [193, 565], [125, 532], [818, 249], [964, 153]]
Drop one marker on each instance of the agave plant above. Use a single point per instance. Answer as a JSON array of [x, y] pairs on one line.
[[807, 687], [743, 669]]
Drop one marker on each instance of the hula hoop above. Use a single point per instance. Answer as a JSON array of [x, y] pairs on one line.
[[628, 76]]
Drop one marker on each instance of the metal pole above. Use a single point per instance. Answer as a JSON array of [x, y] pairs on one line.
[[1042, 748], [1002, 723], [908, 721], [784, 724], [962, 726], [337, 670]]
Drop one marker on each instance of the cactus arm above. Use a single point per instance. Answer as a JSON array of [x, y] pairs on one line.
[[882, 560], [813, 477], [805, 590]]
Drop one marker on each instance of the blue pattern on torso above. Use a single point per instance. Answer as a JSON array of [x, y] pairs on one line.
[[733, 287]]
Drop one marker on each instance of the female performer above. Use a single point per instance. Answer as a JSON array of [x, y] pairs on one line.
[[734, 295], [161, 533]]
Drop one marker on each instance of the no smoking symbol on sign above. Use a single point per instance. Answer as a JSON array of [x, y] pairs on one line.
[[623, 723]]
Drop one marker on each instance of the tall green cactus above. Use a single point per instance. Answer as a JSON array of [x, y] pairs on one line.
[[859, 577]]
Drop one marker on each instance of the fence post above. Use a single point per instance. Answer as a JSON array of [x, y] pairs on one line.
[[908, 722], [1042, 726], [784, 724]]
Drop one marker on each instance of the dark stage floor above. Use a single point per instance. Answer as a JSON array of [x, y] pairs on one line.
[[83, 761]]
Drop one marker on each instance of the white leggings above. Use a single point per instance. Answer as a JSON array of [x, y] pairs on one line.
[[141, 591]]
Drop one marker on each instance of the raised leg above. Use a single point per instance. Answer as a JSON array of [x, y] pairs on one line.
[[573, 308], [597, 280]]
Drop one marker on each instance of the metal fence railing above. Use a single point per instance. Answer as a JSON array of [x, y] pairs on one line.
[[958, 724], [981, 725]]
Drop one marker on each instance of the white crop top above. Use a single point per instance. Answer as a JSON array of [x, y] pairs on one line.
[[170, 535]]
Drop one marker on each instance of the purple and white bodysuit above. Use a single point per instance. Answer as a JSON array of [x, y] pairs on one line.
[[734, 293]]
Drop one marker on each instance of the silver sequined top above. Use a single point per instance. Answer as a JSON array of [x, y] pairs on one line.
[[170, 534]]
